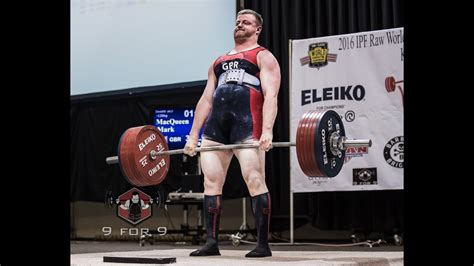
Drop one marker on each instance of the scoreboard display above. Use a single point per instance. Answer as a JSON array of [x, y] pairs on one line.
[[175, 124]]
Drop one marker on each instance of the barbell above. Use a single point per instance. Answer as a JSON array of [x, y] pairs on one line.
[[321, 144], [110, 200], [391, 84]]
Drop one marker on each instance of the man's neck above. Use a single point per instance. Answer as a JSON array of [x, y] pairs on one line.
[[247, 45]]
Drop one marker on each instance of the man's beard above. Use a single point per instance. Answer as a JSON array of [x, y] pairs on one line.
[[241, 36]]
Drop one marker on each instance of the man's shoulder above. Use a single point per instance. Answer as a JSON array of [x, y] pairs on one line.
[[265, 54]]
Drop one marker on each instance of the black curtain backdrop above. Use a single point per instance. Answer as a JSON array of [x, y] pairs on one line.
[[366, 211], [97, 122]]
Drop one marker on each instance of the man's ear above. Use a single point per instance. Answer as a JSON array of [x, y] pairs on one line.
[[259, 29]]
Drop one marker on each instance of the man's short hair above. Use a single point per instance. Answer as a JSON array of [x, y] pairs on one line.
[[257, 16]]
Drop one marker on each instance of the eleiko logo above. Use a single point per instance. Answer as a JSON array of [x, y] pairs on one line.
[[345, 93]]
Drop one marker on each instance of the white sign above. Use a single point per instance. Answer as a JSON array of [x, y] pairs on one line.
[[360, 76]]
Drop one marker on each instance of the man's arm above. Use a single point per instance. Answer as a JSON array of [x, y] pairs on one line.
[[143, 205], [270, 78], [125, 206], [203, 109]]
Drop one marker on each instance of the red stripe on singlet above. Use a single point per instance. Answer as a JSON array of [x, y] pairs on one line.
[[256, 106]]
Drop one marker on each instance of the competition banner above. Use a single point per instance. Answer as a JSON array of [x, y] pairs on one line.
[[360, 76]]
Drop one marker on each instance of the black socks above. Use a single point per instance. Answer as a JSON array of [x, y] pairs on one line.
[[212, 212], [261, 206]]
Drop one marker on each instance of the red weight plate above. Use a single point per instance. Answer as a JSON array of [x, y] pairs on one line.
[[304, 150], [138, 166], [151, 171], [134, 177], [390, 84], [312, 153], [302, 137], [300, 143], [125, 153]]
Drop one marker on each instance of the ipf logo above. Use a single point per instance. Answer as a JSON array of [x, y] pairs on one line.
[[134, 206], [318, 55]]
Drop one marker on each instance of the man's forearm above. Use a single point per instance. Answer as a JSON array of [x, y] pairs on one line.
[[270, 109]]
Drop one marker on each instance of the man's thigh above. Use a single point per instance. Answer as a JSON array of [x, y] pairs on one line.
[[214, 164], [251, 160]]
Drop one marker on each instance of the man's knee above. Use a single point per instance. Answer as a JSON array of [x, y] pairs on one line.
[[255, 181], [213, 183]]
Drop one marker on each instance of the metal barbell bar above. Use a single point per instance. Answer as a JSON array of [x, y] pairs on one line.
[[154, 154]]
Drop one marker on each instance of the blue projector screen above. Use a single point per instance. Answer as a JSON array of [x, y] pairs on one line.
[[175, 124]]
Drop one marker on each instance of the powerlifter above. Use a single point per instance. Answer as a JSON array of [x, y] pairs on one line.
[[238, 105]]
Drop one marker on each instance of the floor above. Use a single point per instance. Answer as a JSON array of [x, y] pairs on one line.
[[374, 253]]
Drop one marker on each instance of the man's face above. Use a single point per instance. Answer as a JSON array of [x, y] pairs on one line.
[[135, 199], [245, 27]]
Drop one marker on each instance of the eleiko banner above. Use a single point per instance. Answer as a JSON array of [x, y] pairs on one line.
[[360, 76]]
